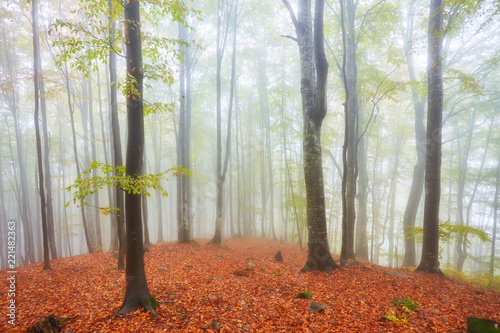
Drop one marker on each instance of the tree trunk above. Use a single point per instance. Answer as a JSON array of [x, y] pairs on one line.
[[495, 219], [350, 76], [392, 201], [117, 148], [313, 92], [461, 245], [23, 197], [430, 248], [221, 170], [3, 216], [137, 294], [95, 212], [417, 183], [36, 78], [362, 196], [184, 188]]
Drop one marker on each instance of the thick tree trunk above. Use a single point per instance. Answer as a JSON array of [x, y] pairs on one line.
[[430, 249], [313, 91], [137, 294]]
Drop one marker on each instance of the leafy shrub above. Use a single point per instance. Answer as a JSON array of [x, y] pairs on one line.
[[405, 307], [402, 303], [304, 294]]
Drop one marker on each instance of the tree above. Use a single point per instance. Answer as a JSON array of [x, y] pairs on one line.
[[419, 169], [137, 294], [36, 80], [184, 187], [115, 130], [222, 170], [495, 218], [313, 92], [430, 248], [350, 148]]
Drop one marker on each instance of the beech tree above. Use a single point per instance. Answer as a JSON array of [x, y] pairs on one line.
[[36, 80], [430, 249], [137, 294], [314, 72], [222, 165], [417, 183]]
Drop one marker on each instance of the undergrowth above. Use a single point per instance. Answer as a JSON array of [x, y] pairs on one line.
[[483, 281]]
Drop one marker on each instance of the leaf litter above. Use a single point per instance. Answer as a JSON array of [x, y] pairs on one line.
[[239, 287]]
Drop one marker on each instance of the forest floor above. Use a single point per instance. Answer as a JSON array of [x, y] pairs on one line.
[[239, 287]]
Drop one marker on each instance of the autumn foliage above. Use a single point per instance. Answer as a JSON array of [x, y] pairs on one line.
[[239, 287]]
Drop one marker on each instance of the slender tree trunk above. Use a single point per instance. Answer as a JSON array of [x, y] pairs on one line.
[[36, 78], [362, 196], [145, 218], [46, 164], [222, 169], [137, 293], [3, 215], [22, 198], [350, 75], [184, 160], [95, 199], [495, 219], [430, 249], [105, 142], [461, 245], [417, 184], [63, 177], [117, 148], [394, 181]]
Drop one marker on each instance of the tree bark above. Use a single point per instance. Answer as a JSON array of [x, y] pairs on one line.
[[350, 76], [430, 249], [417, 184], [184, 140], [137, 294], [362, 196], [23, 196], [117, 148], [313, 92], [222, 169], [36, 77]]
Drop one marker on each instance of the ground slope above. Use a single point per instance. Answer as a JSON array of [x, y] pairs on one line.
[[238, 287]]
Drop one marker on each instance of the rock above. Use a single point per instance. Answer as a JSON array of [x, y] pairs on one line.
[[48, 325], [398, 274], [278, 257], [477, 325], [316, 307], [215, 325]]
